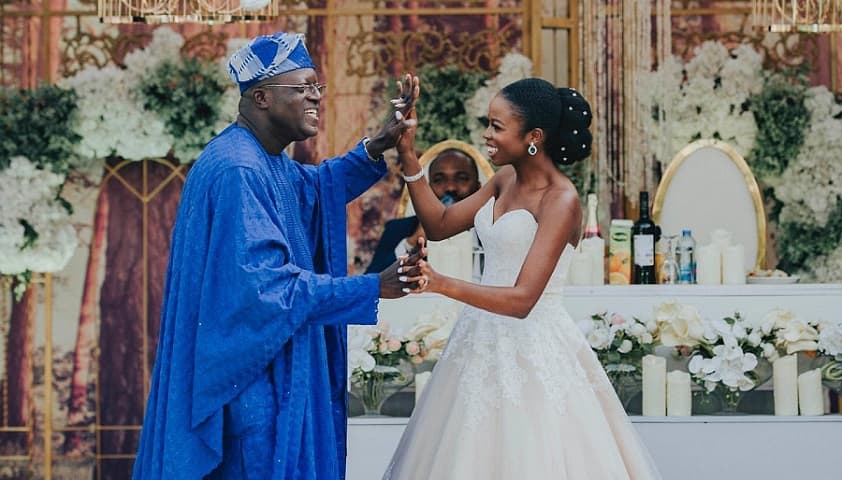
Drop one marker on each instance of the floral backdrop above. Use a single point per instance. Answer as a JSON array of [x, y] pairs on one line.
[[789, 133]]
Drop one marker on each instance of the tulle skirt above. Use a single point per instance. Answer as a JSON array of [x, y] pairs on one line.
[[500, 407]]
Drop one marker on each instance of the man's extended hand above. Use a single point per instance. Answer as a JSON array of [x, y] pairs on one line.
[[399, 121], [403, 276]]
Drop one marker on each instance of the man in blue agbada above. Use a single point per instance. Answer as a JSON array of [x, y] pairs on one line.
[[250, 374]]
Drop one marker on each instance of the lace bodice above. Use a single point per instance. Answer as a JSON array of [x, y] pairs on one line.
[[506, 243], [499, 354]]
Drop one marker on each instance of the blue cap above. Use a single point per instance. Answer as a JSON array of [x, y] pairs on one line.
[[266, 56]]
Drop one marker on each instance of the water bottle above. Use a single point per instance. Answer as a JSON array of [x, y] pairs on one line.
[[686, 258]]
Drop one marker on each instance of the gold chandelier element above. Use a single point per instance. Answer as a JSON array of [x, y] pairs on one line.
[[185, 11], [806, 16]]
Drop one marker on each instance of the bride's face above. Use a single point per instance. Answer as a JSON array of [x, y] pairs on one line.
[[504, 138]]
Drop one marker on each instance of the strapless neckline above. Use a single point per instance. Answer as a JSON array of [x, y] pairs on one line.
[[492, 201]]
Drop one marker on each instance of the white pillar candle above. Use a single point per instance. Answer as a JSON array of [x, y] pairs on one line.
[[810, 393], [594, 248], [580, 269], [679, 398], [721, 238], [453, 257], [785, 382], [421, 380], [733, 265], [654, 386], [708, 265]]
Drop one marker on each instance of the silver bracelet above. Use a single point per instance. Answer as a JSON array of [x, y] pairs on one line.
[[413, 178]]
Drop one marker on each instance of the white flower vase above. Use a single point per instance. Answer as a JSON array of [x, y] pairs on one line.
[[374, 388]]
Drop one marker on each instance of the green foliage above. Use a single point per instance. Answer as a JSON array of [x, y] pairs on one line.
[[782, 120], [36, 124], [441, 110], [799, 242], [30, 236], [187, 97]]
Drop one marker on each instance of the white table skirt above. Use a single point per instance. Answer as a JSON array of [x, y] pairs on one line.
[[745, 447]]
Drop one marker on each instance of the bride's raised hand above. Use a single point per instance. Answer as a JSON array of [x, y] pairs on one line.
[[406, 142]]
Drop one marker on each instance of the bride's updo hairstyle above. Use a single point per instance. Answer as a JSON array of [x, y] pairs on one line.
[[562, 113]]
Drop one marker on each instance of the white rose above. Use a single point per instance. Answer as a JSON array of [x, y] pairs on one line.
[[754, 339], [830, 338], [599, 338], [769, 351], [796, 336], [637, 330], [625, 346], [679, 325]]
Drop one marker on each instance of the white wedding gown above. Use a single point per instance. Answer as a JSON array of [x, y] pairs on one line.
[[518, 399]]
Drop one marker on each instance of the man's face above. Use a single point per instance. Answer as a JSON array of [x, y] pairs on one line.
[[294, 110], [453, 175]]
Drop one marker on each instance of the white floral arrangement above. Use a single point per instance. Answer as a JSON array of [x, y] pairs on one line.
[[810, 187], [725, 352], [378, 350], [678, 324], [513, 67], [29, 198], [791, 333], [112, 120], [703, 98], [620, 342], [830, 348], [728, 355], [830, 339]]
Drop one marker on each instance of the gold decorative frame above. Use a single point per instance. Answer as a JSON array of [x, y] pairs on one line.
[[748, 176], [483, 167]]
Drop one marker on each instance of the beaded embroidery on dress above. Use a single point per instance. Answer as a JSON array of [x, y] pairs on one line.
[[518, 398]]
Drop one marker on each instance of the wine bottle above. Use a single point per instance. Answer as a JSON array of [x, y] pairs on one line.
[[644, 236]]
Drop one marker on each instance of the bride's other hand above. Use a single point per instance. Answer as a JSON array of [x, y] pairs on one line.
[[424, 275]]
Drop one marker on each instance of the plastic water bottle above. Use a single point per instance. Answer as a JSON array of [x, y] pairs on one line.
[[686, 258]]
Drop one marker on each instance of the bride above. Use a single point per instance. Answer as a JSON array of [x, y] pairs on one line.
[[518, 393]]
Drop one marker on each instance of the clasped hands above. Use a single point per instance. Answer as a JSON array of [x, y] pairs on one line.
[[410, 273]]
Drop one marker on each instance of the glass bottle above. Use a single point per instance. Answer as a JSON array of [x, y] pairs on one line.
[[644, 235]]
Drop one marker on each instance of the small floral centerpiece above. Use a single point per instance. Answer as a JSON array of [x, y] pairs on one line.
[[382, 361], [377, 357], [620, 343], [733, 357], [790, 332], [830, 354]]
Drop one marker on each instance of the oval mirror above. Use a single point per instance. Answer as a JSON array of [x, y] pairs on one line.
[[709, 186]]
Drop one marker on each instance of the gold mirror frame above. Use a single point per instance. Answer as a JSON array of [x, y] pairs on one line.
[[748, 176], [483, 167]]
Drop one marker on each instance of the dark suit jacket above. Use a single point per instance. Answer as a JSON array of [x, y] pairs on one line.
[[393, 233]]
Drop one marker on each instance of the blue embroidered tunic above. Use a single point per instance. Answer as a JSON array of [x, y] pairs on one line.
[[250, 374]]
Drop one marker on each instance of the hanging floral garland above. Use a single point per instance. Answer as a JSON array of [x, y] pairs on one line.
[[163, 101]]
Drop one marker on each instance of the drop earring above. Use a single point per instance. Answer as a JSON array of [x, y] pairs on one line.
[[532, 150]]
